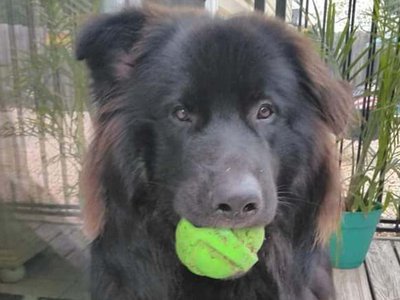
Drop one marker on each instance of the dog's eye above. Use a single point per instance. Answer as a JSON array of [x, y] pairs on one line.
[[265, 111], [181, 114]]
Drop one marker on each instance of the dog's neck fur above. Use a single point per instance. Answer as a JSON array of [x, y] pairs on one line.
[[135, 257]]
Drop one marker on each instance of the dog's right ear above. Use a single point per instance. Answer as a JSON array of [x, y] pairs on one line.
[[107, 44]]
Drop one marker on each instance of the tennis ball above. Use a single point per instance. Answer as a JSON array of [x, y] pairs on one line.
[[217, 252]]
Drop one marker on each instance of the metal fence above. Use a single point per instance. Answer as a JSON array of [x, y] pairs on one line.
[[44, 123]]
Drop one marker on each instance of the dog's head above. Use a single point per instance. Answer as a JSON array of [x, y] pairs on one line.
[[228, 118]]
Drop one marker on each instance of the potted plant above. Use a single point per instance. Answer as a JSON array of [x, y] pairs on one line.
[[373, 156]]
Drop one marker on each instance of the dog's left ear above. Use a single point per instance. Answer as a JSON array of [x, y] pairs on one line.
[[331, 97], [333, 101]]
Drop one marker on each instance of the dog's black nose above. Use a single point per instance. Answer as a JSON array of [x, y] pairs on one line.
[[238, 197], [238, 206]]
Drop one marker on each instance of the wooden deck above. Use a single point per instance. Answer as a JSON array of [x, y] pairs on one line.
[[60, 272], [377, 279]]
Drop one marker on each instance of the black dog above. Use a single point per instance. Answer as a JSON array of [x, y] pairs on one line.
[[224, 122]]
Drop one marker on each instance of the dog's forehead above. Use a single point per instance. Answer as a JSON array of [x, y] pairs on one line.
[[231, 59], [222, 51]]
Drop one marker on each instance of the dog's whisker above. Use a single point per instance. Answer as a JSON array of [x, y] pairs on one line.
[[291, 200]]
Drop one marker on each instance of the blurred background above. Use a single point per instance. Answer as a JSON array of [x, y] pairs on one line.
[[45, 124]]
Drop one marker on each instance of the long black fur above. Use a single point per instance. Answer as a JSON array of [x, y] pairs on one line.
[[143, 172]]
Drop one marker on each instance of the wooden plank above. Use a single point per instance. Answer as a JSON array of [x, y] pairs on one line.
[[48, 232], [32, 224], [79, 238], [383, 270], [352, 284], [63, 245], [397, 248], [79, 259]]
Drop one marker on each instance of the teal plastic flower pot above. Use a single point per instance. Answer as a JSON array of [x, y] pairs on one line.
[[349, 246]]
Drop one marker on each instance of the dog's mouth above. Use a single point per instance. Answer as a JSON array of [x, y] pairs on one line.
[[224, 222], [228, 224]]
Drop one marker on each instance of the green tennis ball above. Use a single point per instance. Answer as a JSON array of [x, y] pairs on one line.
[[217, 252]]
